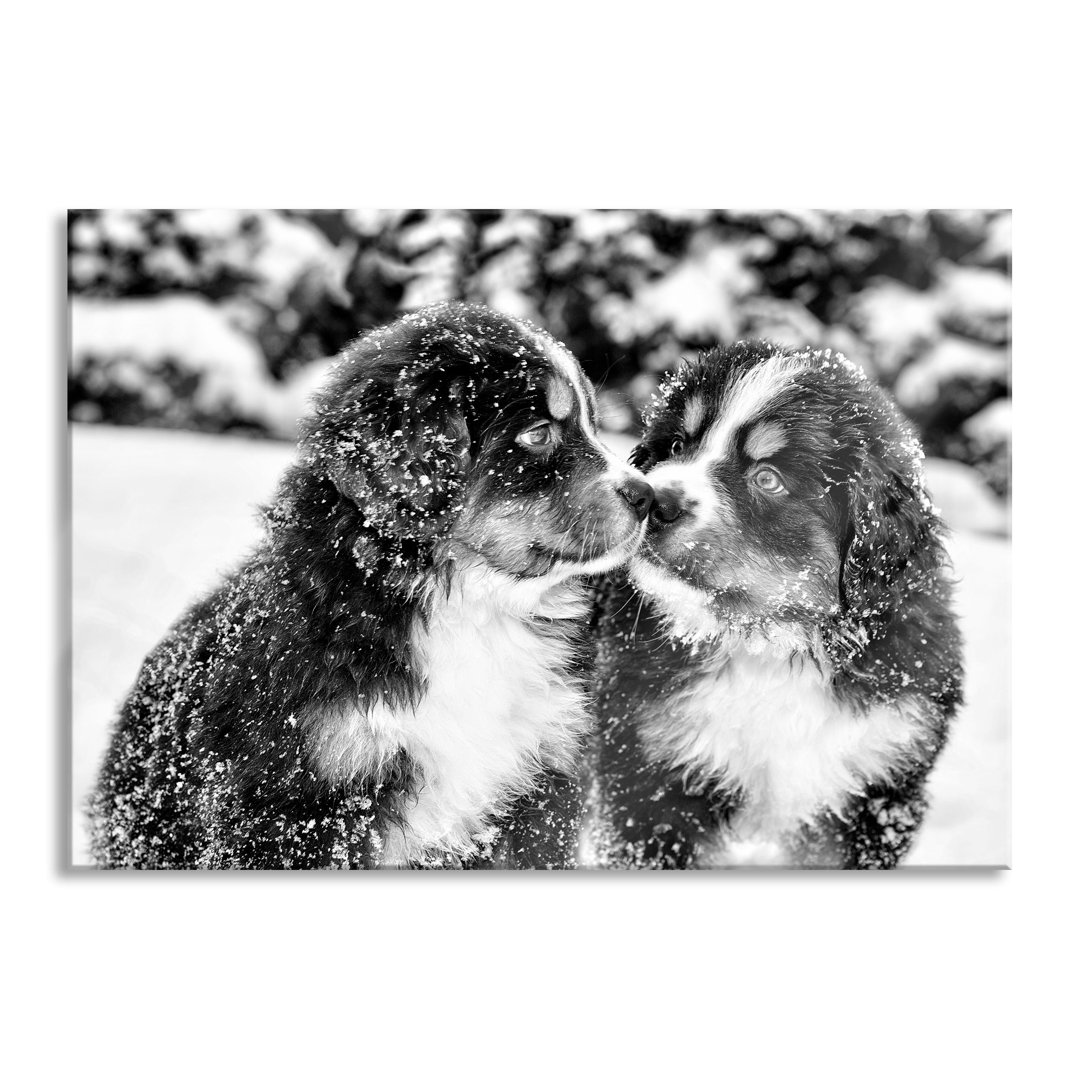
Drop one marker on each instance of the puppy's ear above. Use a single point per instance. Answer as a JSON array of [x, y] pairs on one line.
[[890, 537], [404, 465], [396, 449]]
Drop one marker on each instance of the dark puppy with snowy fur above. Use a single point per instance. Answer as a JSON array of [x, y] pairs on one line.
[[391, 678], [777, 676]]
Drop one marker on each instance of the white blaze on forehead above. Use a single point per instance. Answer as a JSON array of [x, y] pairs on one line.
[[562, 360], [696, 489], [749, 398], [765, 439], [693, 415], [565, 364], [560, 398]]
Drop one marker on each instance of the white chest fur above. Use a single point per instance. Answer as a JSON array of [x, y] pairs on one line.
[[767, 724], [499, 704]]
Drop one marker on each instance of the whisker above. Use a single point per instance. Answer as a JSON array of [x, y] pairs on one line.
[[637, 617]]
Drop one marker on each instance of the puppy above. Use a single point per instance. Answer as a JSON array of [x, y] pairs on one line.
[[392, 677], [777, 675]]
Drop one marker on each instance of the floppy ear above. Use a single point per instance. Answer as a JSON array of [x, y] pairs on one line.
[[403, 462], [891, 540]]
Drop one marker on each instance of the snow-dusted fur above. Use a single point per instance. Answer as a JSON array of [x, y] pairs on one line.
[[502, 704], [777, 671], [393, 677]]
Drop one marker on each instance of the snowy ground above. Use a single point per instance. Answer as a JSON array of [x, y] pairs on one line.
[[157, 516]]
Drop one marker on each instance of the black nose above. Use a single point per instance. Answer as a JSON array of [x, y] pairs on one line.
[[638, 494], [667, 505]]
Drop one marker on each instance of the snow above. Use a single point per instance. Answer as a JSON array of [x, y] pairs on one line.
[[210, 224], [991, 427], [969, 819], [290, 249], [505, 283], [697, 298], [158, 516], [189, 330], [290, 399], [515, 226], [920, 384], [976, 302], [275, 250], [435, 280], [976, 291], [122, 228], [594, 226], [964, 499], [997, 247], [896, 320], [450, 227], [141, 334], [784, 322]]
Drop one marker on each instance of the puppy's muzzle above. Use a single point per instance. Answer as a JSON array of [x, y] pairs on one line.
[[668, 506], [638, 495]]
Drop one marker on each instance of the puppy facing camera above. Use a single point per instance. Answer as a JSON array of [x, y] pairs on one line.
[[778, 667]]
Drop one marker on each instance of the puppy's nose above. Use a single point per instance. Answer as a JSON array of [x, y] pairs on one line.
[[667, 505], [638, 494]]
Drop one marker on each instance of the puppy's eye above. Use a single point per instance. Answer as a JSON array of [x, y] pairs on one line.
[[677, 447], [538, 436], [768, 480]]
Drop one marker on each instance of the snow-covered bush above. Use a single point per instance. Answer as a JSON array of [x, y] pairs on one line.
[[174, 360], [921, 299]]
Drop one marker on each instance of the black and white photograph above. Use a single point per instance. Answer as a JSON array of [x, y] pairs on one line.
[[691, 558], [540, 539]]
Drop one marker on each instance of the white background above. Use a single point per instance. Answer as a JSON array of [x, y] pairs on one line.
[[938, 974]]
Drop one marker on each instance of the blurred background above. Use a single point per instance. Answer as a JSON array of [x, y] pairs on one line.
[[221, 321], [198, 335]]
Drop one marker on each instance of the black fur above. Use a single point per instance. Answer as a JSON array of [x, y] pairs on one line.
[[859, 525], [210, 764]]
